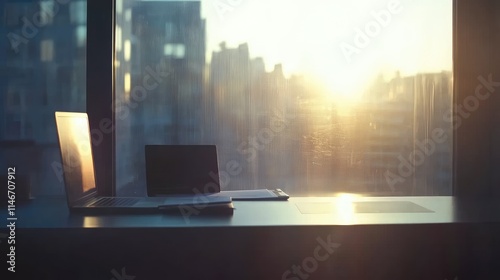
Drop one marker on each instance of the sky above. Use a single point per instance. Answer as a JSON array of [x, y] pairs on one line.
[[343, 44]]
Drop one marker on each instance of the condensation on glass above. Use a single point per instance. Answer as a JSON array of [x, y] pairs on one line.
[[314, 97]]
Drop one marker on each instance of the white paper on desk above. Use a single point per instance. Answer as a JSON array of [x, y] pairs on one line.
[[260, 194]]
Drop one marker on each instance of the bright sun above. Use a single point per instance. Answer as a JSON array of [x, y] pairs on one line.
[[345, 87]]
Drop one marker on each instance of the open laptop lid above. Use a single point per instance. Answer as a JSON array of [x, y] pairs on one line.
[[76, 153], [181, 169]]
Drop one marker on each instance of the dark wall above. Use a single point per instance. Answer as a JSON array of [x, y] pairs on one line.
[[496, 110], [477, 40]]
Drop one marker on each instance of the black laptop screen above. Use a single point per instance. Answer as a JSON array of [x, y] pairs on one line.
[[181, 169], [76, 154]]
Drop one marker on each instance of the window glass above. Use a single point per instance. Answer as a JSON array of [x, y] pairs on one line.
[[46, 11], [78, 12], [43, 70], [314, 97], [47, 50]]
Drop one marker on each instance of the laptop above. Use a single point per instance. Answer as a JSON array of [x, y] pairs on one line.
[[181, 169], [193, 169], [79, 178]]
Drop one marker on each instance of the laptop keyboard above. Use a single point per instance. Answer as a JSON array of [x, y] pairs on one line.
[[115, 202]]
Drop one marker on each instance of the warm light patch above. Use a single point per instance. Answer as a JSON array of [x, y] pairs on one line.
[[82, 144], [126, 86], [127, 46]]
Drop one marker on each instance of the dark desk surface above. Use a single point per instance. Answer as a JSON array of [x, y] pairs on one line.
[[433, 238], [52, 212]]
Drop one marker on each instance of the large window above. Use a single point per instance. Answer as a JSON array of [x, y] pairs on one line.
[[314, 97], [42, 69]]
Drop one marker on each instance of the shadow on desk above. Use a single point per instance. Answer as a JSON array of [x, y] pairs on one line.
[[323, 252]]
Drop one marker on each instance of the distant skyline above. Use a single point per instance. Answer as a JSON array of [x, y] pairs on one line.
[[309, 37]]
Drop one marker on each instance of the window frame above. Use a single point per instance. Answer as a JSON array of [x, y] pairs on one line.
[[101, 90], [475, 155], [475, 39]]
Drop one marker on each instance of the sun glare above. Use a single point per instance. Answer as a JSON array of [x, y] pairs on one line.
[[343, 44], [345, 88]]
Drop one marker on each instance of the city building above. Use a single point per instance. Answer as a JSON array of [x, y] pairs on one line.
[[42, 68], [160, 83]]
